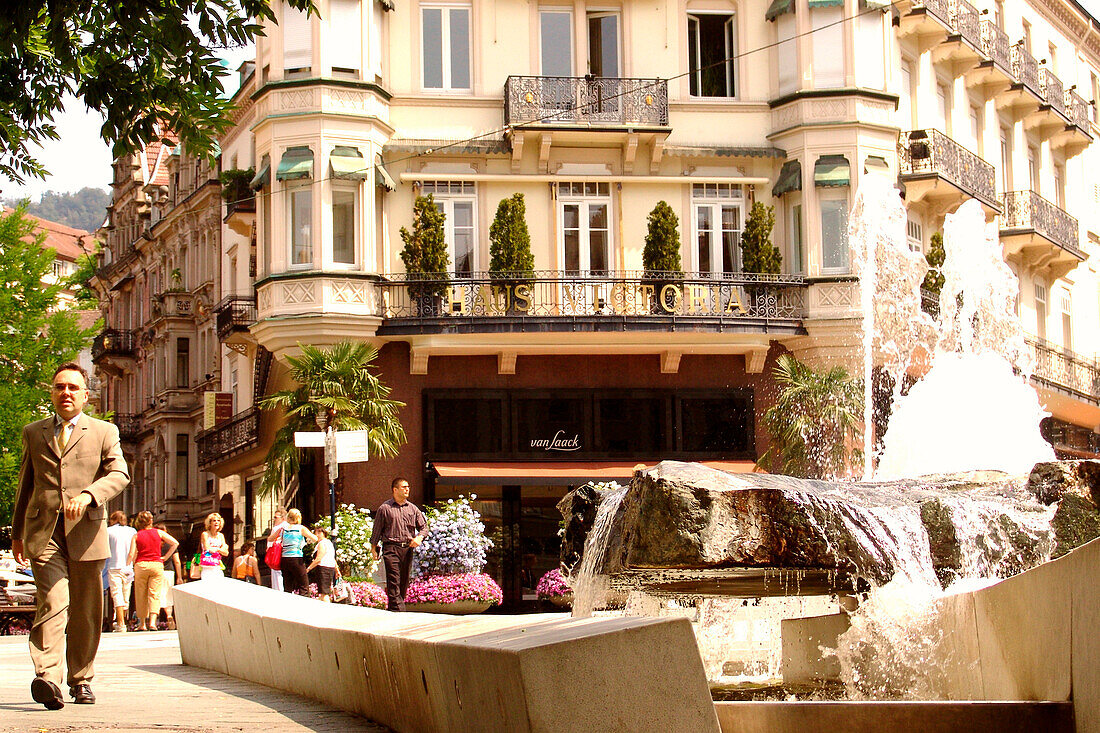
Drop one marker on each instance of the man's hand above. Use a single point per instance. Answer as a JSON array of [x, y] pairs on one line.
[[76, 506], [17, 550], [373, 553], [415, 541]]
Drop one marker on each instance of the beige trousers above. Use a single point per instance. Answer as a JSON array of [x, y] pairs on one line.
[[70, 611], [148, 578]]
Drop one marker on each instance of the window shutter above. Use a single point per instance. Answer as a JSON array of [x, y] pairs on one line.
[[297, 39], [346, 34]]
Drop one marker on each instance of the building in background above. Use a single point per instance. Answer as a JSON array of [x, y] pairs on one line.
[[596, 113]]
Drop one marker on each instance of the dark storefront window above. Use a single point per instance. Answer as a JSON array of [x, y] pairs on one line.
[[715, 425], [467, 426], [626, 424], [550, 424]]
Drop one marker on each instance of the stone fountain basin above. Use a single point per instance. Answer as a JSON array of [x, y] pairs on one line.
[[738, 582]]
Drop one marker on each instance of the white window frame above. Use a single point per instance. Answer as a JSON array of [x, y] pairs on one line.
[[289, 196], [830, 195], [914, 235], [715, 197], [330, 255], [570, 194], [445, 48], [796, 236], [618, 16], [557, 10], [1066, 303], [446, 194], [1042, 312], [733, 68]]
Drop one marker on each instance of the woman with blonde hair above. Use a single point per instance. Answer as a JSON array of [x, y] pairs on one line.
[[293, 536], [277, 524], [213, 547], [148, 564]]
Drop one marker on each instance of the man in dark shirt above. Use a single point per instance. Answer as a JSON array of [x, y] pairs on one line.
[[398, 527]]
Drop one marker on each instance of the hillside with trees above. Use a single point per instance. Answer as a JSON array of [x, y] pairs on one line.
[[84, 209]]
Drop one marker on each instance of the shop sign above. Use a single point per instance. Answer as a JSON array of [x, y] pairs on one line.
[[560, 442]]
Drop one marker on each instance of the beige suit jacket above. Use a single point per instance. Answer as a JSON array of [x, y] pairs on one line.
[[92, 462]]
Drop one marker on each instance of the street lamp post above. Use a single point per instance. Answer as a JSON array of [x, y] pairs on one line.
[[325, 422]]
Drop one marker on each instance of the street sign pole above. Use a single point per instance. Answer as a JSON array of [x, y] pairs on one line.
[[333, 473]]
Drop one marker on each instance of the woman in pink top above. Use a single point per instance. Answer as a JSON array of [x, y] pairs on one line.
[[148, 568]]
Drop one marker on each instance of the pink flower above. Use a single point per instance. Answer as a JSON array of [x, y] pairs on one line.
[[454, 588]]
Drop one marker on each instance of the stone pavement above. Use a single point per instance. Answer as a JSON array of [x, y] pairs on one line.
[[141, 686]]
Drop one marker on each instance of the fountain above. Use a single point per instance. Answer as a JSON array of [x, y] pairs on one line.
[[963, 493]]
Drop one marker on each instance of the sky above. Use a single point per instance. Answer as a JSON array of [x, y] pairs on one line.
[[81, 158]]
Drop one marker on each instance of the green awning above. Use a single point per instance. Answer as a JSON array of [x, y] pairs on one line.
[[263, 176], [876, 4], [826, 4], [876, 164], [381, 177], [348, 163], [831, 171], [297, 163], [790, 178], [778, 7]]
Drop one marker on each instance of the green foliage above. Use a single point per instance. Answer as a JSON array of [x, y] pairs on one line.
[[933, 279], [814, 424], [509, 240], [86, 298], [236, 184], [662, 241], [425, 251], [36, 337], [341, 382], [84, 209], [144, 65], [758, 254]]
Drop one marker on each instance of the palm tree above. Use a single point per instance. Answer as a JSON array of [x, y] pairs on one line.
[[814, 422], [341, 384]]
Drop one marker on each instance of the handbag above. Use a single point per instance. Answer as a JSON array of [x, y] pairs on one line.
[[273, 558], [341, 591], [196, 569]]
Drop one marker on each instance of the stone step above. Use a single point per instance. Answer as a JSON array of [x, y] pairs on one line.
[[876, 717]]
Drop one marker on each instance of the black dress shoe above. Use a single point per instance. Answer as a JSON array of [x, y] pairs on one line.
[[82, 694], [47, 693]]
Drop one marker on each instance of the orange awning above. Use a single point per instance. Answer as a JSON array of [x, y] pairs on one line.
[[508, 473]]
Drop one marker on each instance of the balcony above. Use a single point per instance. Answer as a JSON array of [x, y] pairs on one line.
[[1076, 135], [926, 19], [240, 215], [937, 169], [129, 425], [587, 102], [218, 444], [113, 351], [234, 314], [1035, 231], [1025, 95], [1051, 115], [1064, 370], [994, 73], [611, 302], [964, 44]]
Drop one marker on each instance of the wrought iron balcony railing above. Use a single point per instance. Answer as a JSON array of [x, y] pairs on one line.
[[1077, 110], [586, 100], [113, 342], [930, 151], [128, 424], [1029, 210], [1053, 93], [108, 272], [239, 434], [235, 313], [1064, 368], [937, 8], [964, 19], [1026, 69], [550, 295], [995, 44]]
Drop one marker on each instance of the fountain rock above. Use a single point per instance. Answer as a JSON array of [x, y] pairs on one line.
[[686, 529], [1075, 487]]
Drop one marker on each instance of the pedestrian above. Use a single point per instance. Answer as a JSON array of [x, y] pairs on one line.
[[173, 573], [293, 536], [120, 572], [277, 523], [71, 465], [246, 567], [213, 547], [324, 559], [399, 527], [145, 554]]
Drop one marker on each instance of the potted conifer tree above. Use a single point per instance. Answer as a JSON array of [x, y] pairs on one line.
[[661, 256], [511, 263], [758, 254], [425, 257]]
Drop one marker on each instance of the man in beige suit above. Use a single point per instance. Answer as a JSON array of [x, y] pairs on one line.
[[71, 466]]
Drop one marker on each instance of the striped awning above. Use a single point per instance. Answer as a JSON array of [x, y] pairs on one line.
[[832, 171], [382, 178], [790, 178], [826, 3], [348, 163], [779, 7], [296, 163], [263, 176]]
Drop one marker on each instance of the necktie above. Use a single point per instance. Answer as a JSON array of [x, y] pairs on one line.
[[63, 436]]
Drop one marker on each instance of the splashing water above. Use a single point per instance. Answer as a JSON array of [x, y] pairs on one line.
[[590, 587]]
